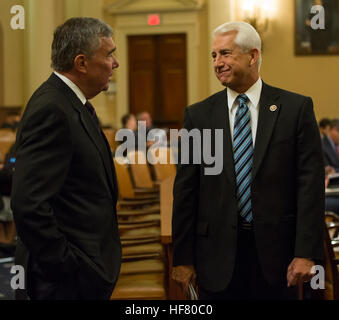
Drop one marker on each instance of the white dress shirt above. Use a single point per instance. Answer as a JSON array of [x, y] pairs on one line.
[[253, 94], [73, 87]]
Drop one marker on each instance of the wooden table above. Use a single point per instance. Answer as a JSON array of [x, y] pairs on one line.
[[166, 202]]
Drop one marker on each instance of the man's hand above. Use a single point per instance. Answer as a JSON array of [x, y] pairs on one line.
[[183, 275], [329, 170], [299, 270]]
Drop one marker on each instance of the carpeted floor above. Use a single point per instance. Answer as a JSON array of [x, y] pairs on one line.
[[6, 292]]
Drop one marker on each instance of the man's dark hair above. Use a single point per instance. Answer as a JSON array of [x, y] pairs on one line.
[[124, 120], [323, 123], [335, 123], [77, 36]]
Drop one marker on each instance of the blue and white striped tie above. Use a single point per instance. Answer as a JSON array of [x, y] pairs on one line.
[[243, 157]]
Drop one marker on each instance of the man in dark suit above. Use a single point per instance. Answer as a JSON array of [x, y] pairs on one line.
[[64, 187], [324, 126], [255, 230], [329, 144]]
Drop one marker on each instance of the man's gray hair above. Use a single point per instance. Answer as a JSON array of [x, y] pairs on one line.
[[247, 37], [77, 36]]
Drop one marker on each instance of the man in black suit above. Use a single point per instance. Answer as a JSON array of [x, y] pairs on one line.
[[329, 144], [324, 126], [254, 230], [64, 187]]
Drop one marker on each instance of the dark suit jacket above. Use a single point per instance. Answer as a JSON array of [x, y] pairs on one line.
[[64, 196], [330, 155], [287, 192]]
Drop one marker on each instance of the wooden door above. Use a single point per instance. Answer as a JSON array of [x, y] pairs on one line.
[[157, 78]]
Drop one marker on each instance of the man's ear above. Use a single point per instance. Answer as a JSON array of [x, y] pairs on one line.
[[254, 56], [80, 63]]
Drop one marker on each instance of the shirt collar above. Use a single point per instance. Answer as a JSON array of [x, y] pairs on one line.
[[253, 94], [73, 87]]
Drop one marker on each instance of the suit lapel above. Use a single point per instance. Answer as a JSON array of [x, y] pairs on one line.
[[220, 119], [114, 177], [90, 128], [99, 142], [266, 121]]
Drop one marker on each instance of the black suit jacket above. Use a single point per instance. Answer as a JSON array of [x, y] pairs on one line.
[[287, 192], [330, 155], [64, 196]]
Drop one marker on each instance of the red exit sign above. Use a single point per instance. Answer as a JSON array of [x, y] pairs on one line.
[[153, 20]]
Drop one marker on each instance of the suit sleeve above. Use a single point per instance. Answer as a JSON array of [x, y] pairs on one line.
[[310, 187], [43, 154], [185, 204]]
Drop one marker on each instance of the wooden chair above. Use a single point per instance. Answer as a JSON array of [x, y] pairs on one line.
[[138, 249], [331, 244], [7, 232], [140, 171], [141, 279], [138, 212], [138, 215], [140, 286], [142, 270], [163, 163], [136, 230], [128, 195], [141, 248]]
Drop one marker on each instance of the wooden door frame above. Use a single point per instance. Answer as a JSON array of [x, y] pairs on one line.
[[136, 24]]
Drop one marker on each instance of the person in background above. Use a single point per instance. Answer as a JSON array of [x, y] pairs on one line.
[[153, 135], [7, 227], [331, 201], [145, 123], [324, 126], [330, 141], [129, 121], [12, 120], [145, 116]]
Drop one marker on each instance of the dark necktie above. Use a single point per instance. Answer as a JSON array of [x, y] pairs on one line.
[[243, 157], [92, 112]]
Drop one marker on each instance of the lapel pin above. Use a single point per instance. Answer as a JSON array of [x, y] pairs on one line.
[[273, 108]]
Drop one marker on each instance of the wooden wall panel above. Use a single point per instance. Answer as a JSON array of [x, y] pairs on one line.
[[157, 77]]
